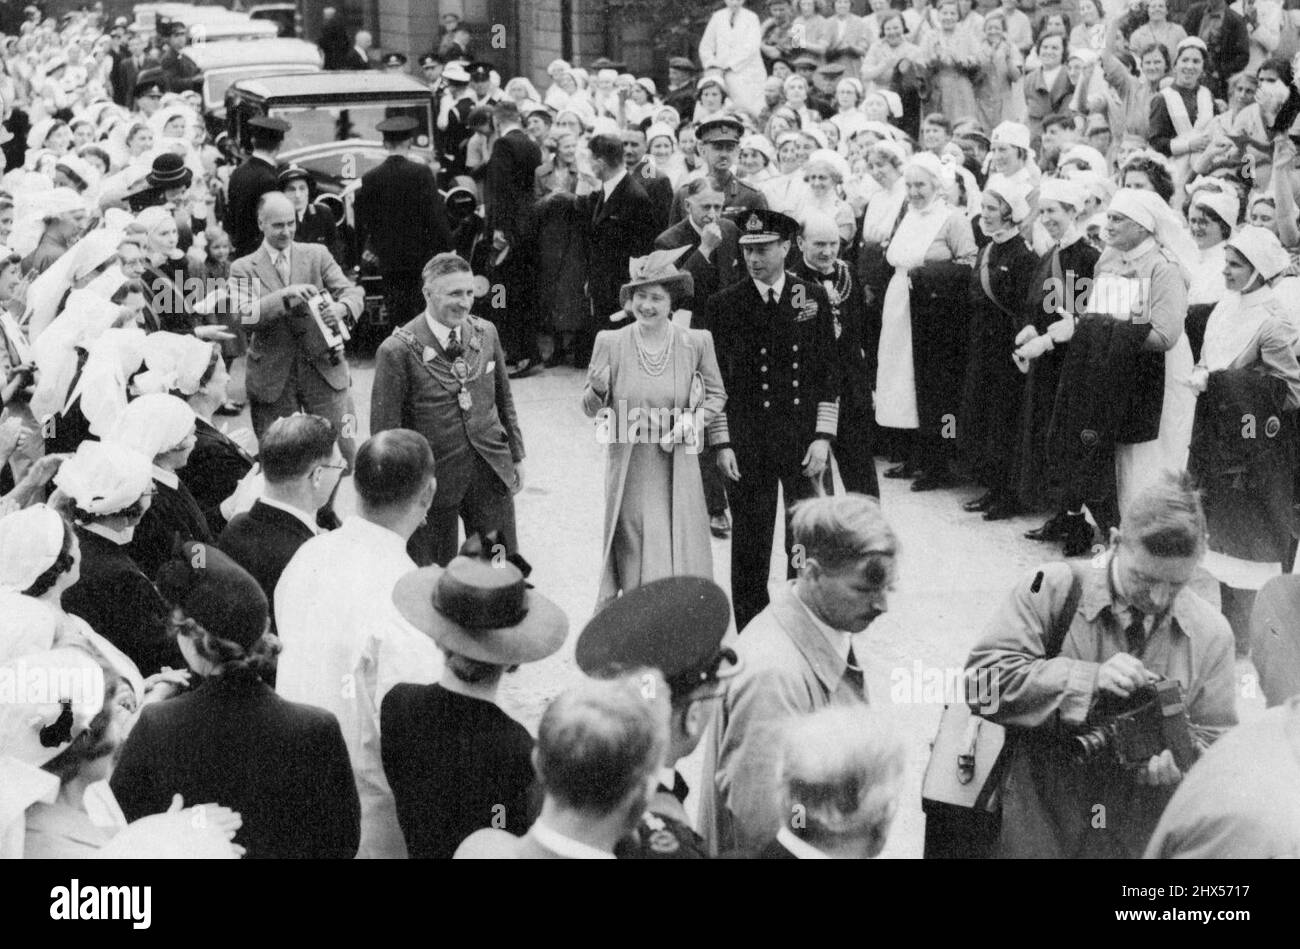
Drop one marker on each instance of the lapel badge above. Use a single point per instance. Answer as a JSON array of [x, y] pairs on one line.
[[430, 354]]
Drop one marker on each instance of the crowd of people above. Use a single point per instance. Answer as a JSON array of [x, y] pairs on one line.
[[992, 247]]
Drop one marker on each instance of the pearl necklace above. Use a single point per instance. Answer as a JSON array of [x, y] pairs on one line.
[[653, 364]]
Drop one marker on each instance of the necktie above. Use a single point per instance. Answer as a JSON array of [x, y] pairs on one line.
[[600, 203], [454, 349], [771, 297], [853, 674], [1135, 633], [282, 267]]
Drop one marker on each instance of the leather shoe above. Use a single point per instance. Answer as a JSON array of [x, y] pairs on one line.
[[981, 503], [720, 526], [523, 369], [901, 471], [932, 482], [1000, 510], [1052, 529], [1077, 535]]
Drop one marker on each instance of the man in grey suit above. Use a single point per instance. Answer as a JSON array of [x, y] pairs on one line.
[[444, 375], [291, 366], [798, 655]]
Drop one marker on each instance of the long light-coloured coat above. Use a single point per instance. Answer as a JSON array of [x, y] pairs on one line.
[[788, 668], [692, 354]]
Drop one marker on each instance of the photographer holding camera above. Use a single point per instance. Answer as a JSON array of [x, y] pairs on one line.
[[281, 290], [1095, 728]]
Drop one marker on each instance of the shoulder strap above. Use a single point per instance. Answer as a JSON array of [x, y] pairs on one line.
[[1060, 627]]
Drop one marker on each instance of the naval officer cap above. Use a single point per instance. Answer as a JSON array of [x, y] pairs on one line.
[[763, 226], [394, 60], [682, 63], [480, 72], [397, 129], [674, 625]]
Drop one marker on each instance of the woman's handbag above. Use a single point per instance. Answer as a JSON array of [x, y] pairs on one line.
[[960, 793]]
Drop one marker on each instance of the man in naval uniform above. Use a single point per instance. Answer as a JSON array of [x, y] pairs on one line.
[[775, 337]]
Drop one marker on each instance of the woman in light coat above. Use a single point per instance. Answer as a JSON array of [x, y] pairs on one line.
[[653, 387]]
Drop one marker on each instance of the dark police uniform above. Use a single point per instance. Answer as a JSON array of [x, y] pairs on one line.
[[780, 368], [248, 183], [401, 216], [674, 625]]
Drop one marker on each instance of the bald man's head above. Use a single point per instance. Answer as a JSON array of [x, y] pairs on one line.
[[277, 219], [820, 241]]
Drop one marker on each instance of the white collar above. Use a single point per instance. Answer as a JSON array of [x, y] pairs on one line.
[[376, 534], [308, 519], [668, 777], [120, 538], [801, 849], [169, 478], [275, 254], [1071, 237], [566, 846], [443, 333], [1141, 250], [779, 287], [612, 183], [841, 640]]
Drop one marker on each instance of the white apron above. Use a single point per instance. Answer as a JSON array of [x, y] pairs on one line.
[[895, 393], [1138, 465], [1184, 127]]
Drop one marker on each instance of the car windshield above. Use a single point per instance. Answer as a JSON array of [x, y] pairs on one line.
[[315, 125], [216, 83]]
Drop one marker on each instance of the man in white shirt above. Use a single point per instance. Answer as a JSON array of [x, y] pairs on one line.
[[732, 47], [599, 749], [345, 644], [798, 655], [301, 466]]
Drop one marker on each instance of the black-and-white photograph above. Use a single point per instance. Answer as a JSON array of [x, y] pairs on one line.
[[651, 429]]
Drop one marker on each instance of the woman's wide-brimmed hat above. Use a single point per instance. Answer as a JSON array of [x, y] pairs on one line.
[[480, 607], [660, 268]]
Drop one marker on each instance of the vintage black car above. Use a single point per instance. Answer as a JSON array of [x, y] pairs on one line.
[[332, 118], [221, 64]]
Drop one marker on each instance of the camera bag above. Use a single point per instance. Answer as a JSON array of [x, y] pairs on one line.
[[968, 757]]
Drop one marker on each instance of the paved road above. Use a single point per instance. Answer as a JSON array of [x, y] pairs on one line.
[[955, 567]]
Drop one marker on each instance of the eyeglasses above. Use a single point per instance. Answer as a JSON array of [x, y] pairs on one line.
[[339, 466]]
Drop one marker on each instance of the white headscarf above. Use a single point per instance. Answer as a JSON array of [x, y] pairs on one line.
[[1148, 211], [153, 424], [104, 478]]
